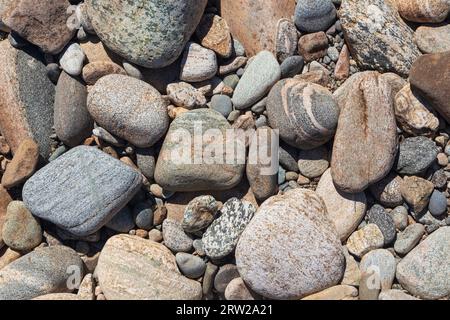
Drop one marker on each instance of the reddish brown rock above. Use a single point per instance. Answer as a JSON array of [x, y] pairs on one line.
[[214, 34], [342, 69], [313, 46], [43, 23], [98, 69], [22, 165], [253, 22]]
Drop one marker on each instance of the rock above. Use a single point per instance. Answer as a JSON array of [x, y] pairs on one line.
[[387, 191], [313, 163], [208, 278], [400, 217], [381, 264], [339, 292], [23, 164], [433, 11], [87, 287], [377, 215], [5, 199], [232, 65], [288, 157], [26, 102], [344, 209], [367, 118], [191, 266], [238, 290], [122, 222], [199, 213], [352, 275], [198, 63], [140, 118], [416, 154], [438, 204], [313, 46], [261, 169], [416, 192], [222, 104], [151, 272], [254, 23], [72, 121], [369, 287], [146, 161], [155, 235], [72, 59], [412, 115], [174, 236], [88, 185], [291, 66], [431, 39], [44, 24], [284, 223], [263, 72], [42, 271], [364, 240], [214, 33], [8, 256], [305, 114], [424, 272], [222, 236], [184, 95], [143, 215], [185, 173], [430, 81], [408, 239], [377, 36], [21, 231], [146, 34], [224, 276], [313, 16], [286, 40], [395, 294], [96, 70], [342, 69]]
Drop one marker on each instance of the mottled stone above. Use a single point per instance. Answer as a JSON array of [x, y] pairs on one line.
[[42, 271], [377, 215], [425, 271], [432, 11], [184, 95], [409, 238], [416, 155], [313, 15], [377, 36], [72, 121], [340, 292], [199, 213], [223, 234], [145, 33], [131, 268], [214, 33], [352, 275], [364, 240], [342, 69], [198, 63], [96, 70], [72, 59], [22, 165], [416, 192], [400, 217], [140, 118], [267, 254], [313, 163], [88, 185], [387, 191], [433, 39], [286, 39], [305, 114], [381, 264], [346, 210], [174, 236], [224, 276], [313, 46]]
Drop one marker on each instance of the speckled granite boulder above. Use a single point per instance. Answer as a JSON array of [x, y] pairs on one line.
[[81, 190], [149, 33], [290, 249], [43, 271]]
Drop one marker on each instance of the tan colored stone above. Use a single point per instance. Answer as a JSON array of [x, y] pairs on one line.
[[95, 70], [423, 10], [7, 256], [59, 297], [214, 34], [86, 288], [5, 199], [417, 192], [313, 46], [238, 290], [95, 51], [365, 240], [340, 292]]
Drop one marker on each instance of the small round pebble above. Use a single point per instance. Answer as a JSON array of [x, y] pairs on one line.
[[143, 215], [438, 203], [191, 266], [222, 103]]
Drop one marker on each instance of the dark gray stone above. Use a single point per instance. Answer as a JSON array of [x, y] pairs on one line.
[[438, 204], [122, 221], [314, 15], [143, 215], [384, 221], [292, 66], [416, 155], [288, 157], [146, 161]]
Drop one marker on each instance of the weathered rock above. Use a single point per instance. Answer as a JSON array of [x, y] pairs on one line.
[[283, 224], [387, 191], [432, 39], [174, 236], [340, 292], [199, 213], [145, 33], [214, 33], [364, 240], [367, 118], [400, 217], [313, 163], [131, 268], [416, 192], [184, 95], [377, 215], [88, 185], [409, 238], [381, 264], [313, 46], [8, 256], [416, 155], [96, 70], [146, 161], [377, 36], [423, 10], [72, 59], [342, 69], [198, 63], [286, 40]]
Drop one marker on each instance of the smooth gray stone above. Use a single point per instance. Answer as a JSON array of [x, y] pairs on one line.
[[191, 266], [314, 15], [408, 239], [146, 161], [43, 271], [122, 221], [82, 190]]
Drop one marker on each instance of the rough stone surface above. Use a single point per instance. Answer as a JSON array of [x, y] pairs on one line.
[[409, 238], [364, 240], [214, 33], [96, 70], [238, 290], [387, 191], [432, 11], [416, 154], [377, 215], [313, 46], [199, 213], [86, 184], [283, 224], [417, 192], [286, 39], [184, 95], [174, 236], [395, 294], [131, 268], [313, 163], [431, 39]]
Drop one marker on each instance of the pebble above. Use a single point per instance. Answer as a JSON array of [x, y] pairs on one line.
[[67, 184], [87, 287], [94, 71], [291, 66], [339, 292], [151, 272], [232, 65], [146, 34], [262, 73], [377, 215], [431, 11], [352, 275], [22, 165], [222, 104], [198, 247], [208, 278], [381, 264], [409, 238], [224, 276], [288, 157], [108, 137], [146, 161], [425, 272], [143, 215], [417, 192], [199, 213], [198, 63], [191, 266], [438, 204], [333, 54], [433, 39], [140, 118], [72, 59], [174, 236], [312, 15], [313, 46], [342, 69], [214, 33], [53, 72], [365, 239], [221, 237], [184, 95], [122, 222], [416, 154], [155, 235], [387, 191], [286, 41], [400, 217], [395, 294], [42, 271], [8, 256], [238, 290], [313, 163], [284, 223], [288, 107]]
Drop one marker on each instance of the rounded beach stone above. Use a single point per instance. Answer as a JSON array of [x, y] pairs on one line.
[[416, 154], [416, 191], [365, 239], [313, 163], [174, 236], [198, 63], [377, 215], [381, 264], [387, 191], [409, 238], [199, 213], [132, 268], [72, 60], [438, 204], [305, 114], [95, 70], [129, 108], [238, 290], [224, 276], [191, 266], [432, 11], [143, 215], [433, 39], [268, 255], [222, 103], [312, 15], [145, 33], [339, 292], [122, 221]]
